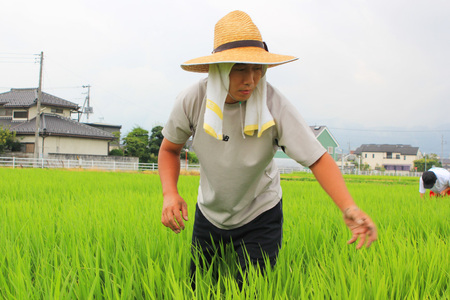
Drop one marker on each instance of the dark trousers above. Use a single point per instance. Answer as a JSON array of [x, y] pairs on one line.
[[256, 241]]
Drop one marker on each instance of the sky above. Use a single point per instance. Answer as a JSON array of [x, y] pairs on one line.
[[373, 72]]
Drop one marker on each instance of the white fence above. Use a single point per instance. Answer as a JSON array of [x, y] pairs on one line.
[[287, 170], [17, 162]]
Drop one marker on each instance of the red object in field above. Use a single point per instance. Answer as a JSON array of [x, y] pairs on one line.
[[433, 194]]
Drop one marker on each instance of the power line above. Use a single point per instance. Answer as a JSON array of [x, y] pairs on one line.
[[390, 130], [63, 87], [19, 58], [6, 53], [17, 62]]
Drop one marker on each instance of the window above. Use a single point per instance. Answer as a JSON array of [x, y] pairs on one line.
[[397, 156], [397, 168], [4, 112], [404, 157], [389, 155], [29, 148], [365, 155], [20, 114], [57, 110], [373, 155], [330, 150]]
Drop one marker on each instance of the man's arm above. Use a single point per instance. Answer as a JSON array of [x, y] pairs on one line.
[[445, 191], [329, 176], [169, 172], [422, 189]]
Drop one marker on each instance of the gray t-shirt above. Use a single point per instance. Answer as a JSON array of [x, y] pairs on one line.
[[238, 177]]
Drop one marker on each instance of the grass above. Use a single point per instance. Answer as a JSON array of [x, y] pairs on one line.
[[98, 235]]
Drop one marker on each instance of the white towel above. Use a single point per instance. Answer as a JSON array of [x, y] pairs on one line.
[[257, 115]]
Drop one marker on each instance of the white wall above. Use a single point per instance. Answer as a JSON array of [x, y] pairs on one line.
[[70, 145], [379, 159]]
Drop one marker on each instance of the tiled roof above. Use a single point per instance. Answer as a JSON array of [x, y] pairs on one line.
[[56, 125], [402, 149], [317, 130], [28, 98]]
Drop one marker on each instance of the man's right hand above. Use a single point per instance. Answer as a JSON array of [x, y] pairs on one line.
[[171, 216]]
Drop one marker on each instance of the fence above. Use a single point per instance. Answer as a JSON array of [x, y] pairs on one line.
[[18, 162], [287, 170]]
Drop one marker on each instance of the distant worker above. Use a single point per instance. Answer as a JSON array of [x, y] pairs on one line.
[[437, 180]]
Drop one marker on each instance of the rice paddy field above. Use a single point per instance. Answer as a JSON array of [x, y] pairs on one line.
[[98, 235]]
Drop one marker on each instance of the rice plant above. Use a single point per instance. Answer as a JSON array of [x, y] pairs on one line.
[[97, 235]]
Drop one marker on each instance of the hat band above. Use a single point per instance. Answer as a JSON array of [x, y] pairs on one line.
[[240, 44]]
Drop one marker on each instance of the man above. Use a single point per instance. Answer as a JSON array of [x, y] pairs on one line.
[[437, 180], [238, 121]]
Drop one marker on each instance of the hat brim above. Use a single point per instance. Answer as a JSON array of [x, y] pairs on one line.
[[428, 186], [247, 55]]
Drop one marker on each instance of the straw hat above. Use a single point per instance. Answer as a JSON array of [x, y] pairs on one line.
[[237, 40]]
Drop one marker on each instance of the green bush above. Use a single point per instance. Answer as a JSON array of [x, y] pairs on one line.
[[116, 152]]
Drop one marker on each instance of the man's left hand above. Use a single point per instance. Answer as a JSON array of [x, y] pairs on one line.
[[361, 226]]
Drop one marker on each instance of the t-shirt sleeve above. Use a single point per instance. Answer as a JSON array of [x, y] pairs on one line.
[[422, 190], [178, 127], [294, 135]]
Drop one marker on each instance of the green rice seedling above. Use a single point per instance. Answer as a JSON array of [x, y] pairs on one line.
[[85, 235]]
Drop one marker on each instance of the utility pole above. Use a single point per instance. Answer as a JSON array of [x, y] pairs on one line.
[[359, 165], [87, 109], [425, 168], [38, 110]]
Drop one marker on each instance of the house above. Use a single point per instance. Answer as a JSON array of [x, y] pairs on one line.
[[323, 135], [347, 161], [389, 157], [326, 139], [111, 129], [58, 133]]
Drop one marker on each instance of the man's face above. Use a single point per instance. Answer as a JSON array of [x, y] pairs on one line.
[[243, 80]]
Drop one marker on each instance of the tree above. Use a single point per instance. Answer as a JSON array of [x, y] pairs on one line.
[[155, 141], [191, 156], [116, 152], [136, 144], [116, 141], [7, 139], [365, 167], [427, 162]]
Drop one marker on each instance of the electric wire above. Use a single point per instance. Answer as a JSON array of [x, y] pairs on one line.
[[390, 130]]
